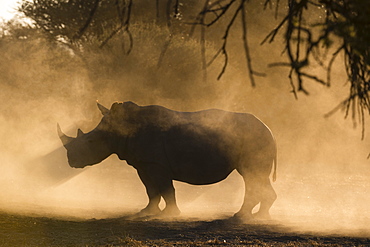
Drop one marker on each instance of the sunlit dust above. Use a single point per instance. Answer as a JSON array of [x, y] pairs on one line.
[[322, 174]]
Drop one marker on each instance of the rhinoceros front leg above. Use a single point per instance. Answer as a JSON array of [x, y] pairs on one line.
[[153, 194], [158, 183]]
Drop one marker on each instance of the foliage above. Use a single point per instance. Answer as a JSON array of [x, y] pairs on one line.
[[314, 30], [343, 26], [73, 22]]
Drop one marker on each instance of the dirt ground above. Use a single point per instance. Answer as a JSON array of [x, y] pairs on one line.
[[21, 230]]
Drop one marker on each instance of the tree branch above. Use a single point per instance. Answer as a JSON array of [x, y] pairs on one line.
[[245, 43], [88, 21]]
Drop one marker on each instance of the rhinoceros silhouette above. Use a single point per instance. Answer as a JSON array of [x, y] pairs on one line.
[[198, 148]]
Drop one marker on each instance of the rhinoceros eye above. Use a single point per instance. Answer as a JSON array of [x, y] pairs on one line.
[[90, 140]]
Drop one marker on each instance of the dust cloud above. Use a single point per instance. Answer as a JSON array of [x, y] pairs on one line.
[[323, 175]]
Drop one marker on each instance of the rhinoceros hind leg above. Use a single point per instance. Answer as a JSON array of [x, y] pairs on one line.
[[268, 198], [257, 190], [168, 193], [252, 196]]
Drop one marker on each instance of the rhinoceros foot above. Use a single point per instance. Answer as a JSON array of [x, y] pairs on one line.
[[249, 218], [149, 211], [170, 212], [262, 216], [242, 217]]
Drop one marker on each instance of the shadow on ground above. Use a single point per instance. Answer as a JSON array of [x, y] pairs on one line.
[[18, 230]]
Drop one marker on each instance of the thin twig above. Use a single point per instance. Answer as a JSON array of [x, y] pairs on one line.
[[328, 77], [203, 44], [271, 36], [88, 21], [225, 38], [164, 50], [245, 43], [223, 9], [124, 25]]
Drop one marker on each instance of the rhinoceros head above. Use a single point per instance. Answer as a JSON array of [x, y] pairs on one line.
[[87, 149]]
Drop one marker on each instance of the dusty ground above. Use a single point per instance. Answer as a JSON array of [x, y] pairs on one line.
[[323, 211], [18, 230]]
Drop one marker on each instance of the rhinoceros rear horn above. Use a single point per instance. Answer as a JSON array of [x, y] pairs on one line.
[[63, 137], [103, 109], [80, 133]]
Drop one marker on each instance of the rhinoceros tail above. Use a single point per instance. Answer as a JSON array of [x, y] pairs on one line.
[[275, 163]]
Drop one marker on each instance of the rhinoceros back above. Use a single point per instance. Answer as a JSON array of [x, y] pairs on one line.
[[199, 147], [204, 147]]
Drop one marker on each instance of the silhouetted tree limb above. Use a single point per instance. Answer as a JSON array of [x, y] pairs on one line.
[[343, 28], [88, 21], [169, 16], [346, 25], [218, 10], [124, 15]]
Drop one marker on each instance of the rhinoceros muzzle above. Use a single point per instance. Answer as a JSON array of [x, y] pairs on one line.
[[76, 164]]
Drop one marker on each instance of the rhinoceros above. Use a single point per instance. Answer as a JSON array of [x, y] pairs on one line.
[[198, 148]]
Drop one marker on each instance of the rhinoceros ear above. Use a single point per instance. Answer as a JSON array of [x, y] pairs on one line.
[[103, 109], [80, 133], [64, 138]]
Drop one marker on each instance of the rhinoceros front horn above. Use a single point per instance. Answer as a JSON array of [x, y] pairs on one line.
[[63, 137]]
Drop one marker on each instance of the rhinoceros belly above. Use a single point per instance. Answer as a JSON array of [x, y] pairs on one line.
[[198, 155]]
